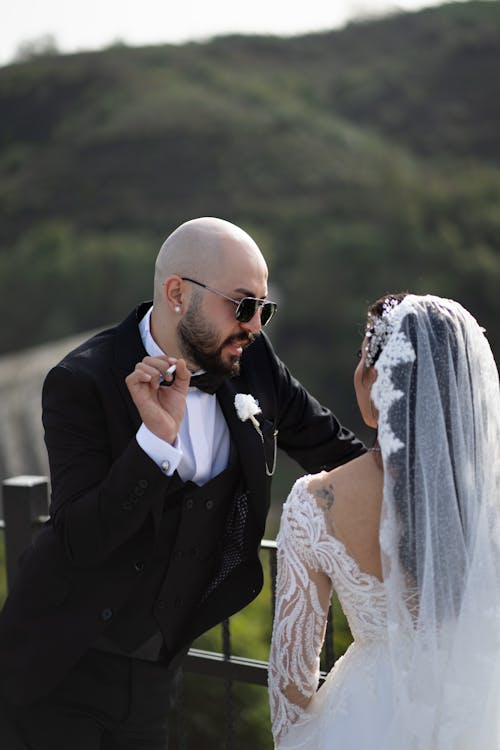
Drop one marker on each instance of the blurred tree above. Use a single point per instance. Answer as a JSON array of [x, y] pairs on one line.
[[42, 46]]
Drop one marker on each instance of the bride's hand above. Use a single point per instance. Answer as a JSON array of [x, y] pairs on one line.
[[161, 409]]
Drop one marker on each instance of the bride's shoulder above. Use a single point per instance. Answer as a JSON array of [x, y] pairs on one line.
[[307, 491], [358, 478], [299, 492], [298, 520], [299, 500], [345, 486], [305, 486]]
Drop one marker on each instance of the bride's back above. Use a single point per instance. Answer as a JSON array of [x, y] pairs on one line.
[[351, 499]]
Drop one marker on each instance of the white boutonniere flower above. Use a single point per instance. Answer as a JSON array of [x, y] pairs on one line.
[[247, 408]]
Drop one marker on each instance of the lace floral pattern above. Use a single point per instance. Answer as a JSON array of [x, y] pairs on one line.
[[310, 562], [384, 394]]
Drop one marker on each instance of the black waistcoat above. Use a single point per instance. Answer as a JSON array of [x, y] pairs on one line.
[[200, 540]]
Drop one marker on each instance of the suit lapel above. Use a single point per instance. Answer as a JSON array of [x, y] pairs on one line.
[[129, 350]]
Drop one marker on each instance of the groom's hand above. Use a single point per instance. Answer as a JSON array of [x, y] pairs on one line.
[[161, 409]]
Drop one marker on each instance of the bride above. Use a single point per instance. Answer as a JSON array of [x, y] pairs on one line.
[[409, 536]]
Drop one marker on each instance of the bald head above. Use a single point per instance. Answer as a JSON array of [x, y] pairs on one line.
[[212, 253], [200, 248]]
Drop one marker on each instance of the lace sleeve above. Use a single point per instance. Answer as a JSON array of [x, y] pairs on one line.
[[303, 595]]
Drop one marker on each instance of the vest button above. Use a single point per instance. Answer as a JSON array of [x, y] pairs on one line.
[[209, 504], [139, 566], [142, 483], [106, 614], [189, 503]]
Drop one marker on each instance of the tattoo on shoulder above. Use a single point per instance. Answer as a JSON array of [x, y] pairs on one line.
[[326, 497]]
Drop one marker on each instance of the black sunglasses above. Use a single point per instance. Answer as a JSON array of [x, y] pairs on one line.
[[246, 307]]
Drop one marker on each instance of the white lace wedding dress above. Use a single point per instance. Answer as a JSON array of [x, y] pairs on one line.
[[353, 707]]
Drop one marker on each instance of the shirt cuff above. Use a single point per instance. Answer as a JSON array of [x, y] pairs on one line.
[[166, 456]]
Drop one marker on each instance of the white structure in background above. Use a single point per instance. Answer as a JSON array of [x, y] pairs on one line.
[[22, 450]]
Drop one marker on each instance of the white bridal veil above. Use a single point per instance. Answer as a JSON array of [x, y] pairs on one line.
[[438, 399]]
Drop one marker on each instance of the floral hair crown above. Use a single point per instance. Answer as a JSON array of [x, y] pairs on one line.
[[378, 329]]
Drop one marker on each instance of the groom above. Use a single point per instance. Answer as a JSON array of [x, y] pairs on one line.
[[160, 491]]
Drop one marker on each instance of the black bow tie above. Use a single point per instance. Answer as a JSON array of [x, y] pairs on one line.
[[207, 382]]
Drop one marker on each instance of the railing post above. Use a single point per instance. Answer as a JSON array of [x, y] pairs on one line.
[[228, 685], [328, 647], [24, 499]]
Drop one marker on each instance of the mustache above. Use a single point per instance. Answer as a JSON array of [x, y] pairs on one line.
[[240, 338]]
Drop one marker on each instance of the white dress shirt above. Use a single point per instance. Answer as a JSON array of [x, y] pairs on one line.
[[201, 450]]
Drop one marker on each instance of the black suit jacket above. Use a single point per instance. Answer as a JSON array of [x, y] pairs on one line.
[[108, 498]]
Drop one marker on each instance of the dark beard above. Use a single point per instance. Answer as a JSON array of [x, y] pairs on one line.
[[198, 344]]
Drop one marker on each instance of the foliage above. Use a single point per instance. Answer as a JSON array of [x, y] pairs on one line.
[[362, 160], [41, 46], [71, 282]]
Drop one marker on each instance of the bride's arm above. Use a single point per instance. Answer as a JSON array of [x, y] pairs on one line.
[[303, 595]]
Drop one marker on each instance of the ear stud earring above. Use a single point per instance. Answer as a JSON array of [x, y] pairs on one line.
[[177, 309]]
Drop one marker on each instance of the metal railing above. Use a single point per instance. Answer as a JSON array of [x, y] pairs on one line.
[[25, 501]]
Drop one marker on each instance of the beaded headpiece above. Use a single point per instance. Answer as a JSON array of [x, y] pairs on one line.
[[378, 329]]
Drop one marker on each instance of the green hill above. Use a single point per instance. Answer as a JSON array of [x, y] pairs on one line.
[[362, 160]]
